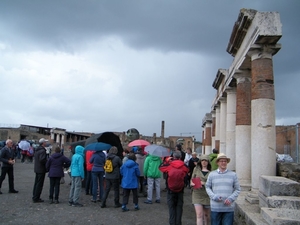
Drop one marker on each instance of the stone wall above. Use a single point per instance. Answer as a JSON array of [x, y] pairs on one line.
[[288, 170]]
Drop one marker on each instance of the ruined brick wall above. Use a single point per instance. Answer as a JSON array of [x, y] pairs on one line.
[[286, 140]]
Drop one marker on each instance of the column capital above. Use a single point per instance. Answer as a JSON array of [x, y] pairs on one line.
[[213, 113], [223, 99], [230, 90], [242, 76], [258, 51]]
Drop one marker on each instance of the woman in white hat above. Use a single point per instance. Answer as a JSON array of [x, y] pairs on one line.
[[200, 199]]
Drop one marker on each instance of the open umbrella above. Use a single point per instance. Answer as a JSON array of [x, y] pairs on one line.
[[97, 146], [24, 145], [157, 150], [109, 138], [138, 142]]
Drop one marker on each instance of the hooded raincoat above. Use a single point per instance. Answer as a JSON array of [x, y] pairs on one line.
[[77, 168]]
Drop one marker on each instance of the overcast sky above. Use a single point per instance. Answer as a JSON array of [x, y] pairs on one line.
[[99, 66]]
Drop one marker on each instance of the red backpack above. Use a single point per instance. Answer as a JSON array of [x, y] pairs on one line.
[[176, 179]]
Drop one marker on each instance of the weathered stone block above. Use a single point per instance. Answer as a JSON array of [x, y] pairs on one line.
[[281, 216], [280, 186], [288, 202]]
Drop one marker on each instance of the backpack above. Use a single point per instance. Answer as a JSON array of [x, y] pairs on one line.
[[176, 179], [108, 166]]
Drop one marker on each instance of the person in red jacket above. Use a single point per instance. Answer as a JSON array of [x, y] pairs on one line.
[[176, 171], [89, 166]]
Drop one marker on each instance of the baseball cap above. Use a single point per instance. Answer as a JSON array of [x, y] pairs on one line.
[[42, 140]]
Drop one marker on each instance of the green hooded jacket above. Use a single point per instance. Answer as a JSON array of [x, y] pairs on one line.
[[151, 166]]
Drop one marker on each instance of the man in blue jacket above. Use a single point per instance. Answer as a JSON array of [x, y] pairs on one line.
[[8, 160]]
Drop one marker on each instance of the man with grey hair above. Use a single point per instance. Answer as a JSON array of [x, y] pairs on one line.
[[8, 159], [113, 178], [176, 171], [40, 160]]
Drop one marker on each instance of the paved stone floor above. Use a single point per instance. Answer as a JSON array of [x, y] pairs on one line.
[[18, 208]]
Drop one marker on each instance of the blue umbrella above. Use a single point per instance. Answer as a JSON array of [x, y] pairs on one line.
[[97, 146]]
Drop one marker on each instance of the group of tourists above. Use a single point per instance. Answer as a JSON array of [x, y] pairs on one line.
[[214, 188]]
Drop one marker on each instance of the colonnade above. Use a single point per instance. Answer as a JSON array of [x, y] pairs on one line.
[[241, 122]]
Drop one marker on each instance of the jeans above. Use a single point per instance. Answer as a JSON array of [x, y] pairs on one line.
[[10, 172], [221, 218], [54, 187], [75, 189], [38, 186], [88, 183], [115, 183], [175, 203], [97, 181]]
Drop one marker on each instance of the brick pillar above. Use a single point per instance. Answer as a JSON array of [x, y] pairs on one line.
[[243, 127], [223, 118], [230, 126], [207, 138], [213, 129], [217, 137], [203, 141], [263, 130]]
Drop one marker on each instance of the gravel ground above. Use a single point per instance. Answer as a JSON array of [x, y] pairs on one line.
[[19, 209]]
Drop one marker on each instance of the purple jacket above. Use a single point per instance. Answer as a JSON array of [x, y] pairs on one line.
[[56, 163]]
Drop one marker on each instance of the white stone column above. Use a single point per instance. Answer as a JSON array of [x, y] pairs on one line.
[[223, 118], [62, 139], [213, 130], [230, 127], [263, 130], [57, 138], [217, 137], [243, 128], [52, 134]]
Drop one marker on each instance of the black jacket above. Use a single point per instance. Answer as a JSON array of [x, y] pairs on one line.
[[5, 155], [40, 160]]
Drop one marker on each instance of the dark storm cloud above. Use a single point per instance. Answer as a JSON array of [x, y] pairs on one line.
[[200, 29]]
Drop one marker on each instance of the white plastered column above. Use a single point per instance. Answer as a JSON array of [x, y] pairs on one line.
[[230, 127], [243, 129], [263, 130], [217, 132], [223, 121]]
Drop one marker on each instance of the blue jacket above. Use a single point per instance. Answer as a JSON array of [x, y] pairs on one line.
[[55, 165], [130, 172], [98, 161], [77, 169]]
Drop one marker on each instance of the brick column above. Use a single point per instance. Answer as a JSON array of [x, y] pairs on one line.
[[230, 126], [263, 130], [223, 118], [217, 137], [207, 138], [213, 130], [243, 127]]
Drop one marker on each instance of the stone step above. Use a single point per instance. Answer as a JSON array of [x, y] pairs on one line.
[[247, 213], [288, 202], [275, 216], [279, 186]]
